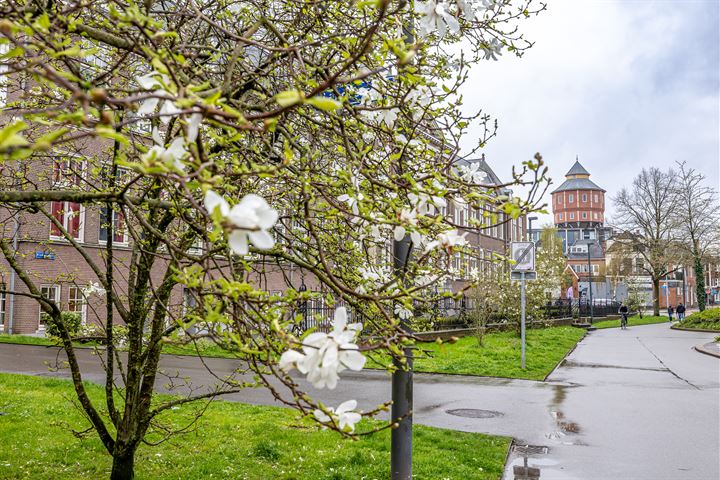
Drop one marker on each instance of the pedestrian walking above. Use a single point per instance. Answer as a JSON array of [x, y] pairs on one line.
[[623, 311], [670, 313], [680, 310]]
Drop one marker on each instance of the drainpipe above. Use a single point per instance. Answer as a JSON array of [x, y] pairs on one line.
[[11, 306]]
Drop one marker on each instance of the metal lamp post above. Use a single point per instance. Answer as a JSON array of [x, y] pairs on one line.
[[590, 283], [402, 385]]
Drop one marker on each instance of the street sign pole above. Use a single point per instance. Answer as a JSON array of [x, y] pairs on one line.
[[522, 320]]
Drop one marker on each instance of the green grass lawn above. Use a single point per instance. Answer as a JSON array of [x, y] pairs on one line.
[[500, 357], [632, 321], [232, 440]]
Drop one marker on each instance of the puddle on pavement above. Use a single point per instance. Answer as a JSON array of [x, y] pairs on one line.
[[565, 426], [528, 461]]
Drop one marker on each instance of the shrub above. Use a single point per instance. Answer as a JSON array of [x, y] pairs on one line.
[[708, 319], [71, 320]]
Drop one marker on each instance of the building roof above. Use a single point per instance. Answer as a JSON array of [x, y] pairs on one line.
[[577, 169], [483, 165], [577, 184]]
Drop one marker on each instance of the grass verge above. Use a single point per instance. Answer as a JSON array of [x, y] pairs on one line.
[[232, 440], [632, 321], [500, 357]]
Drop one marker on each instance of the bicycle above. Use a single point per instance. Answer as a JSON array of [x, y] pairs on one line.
[[623, 321]]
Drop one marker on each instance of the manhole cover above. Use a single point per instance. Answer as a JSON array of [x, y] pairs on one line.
[[530, 450], [474, 413]]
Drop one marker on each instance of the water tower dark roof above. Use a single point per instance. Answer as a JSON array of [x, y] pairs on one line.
[[577, 169], [577, 184], [577, 179]]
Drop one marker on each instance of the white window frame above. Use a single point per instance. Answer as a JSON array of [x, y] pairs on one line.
[[4, 48], [572, 215], [126, 235], [58, 292], [560, 216], [584, 197], [83, 302], [570, 198], [584, 215], [81, 228]]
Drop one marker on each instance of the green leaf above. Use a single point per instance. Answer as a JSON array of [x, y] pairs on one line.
[[289, 98], [324, 103], [108, 132], [15, 52], [10, 137]]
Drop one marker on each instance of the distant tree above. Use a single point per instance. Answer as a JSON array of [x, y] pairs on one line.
[[647, 213], [698, 222]]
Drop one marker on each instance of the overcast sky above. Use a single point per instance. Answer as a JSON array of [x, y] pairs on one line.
[[623, 84]]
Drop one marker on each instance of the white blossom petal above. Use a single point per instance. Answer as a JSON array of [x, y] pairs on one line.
[[213, 200], [238, 242]]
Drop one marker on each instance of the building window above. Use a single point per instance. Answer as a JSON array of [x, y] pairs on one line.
[[51, 293], [572, 216], [570, 199], [77, 303], [3, 299], [584, 215], [596, 199], [560, 216], [67, 172], [4, 48], [70, 216], [120, 233], [595, 215], [584, 197]]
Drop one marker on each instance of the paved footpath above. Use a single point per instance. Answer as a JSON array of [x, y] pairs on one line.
[[633, 404]]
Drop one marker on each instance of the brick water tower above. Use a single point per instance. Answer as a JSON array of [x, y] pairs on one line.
[[578, 203]]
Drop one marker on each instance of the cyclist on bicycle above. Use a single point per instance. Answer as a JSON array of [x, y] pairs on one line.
[[623, 316]]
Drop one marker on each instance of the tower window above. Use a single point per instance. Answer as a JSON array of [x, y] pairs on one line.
[[584, 197], [570, 199]]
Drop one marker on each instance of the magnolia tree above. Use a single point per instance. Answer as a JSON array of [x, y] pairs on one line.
[[497, 298], [233, 141]]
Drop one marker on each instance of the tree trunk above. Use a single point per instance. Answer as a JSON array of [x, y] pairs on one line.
[[700, 283], [656, 296], [123, 465]]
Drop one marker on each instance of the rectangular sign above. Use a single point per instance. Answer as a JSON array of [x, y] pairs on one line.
[[523, 253], [45, 255], [519, 275]]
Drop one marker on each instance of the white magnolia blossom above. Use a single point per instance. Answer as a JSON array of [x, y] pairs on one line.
[[447, 240], [425, 204], [388, 116], [493, 49], [435, 16], [93, 289], [403, 312], [250, 220], [407, 218], [344, 416], [372, 277], [167, 108], [472, 173], [352, 202], [193, 126], [172, 154], [325, 355]]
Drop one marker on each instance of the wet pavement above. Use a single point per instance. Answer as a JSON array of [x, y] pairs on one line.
[[633, 404]]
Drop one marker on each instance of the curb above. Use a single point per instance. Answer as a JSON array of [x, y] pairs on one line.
[[704, 330], [712, 349]]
